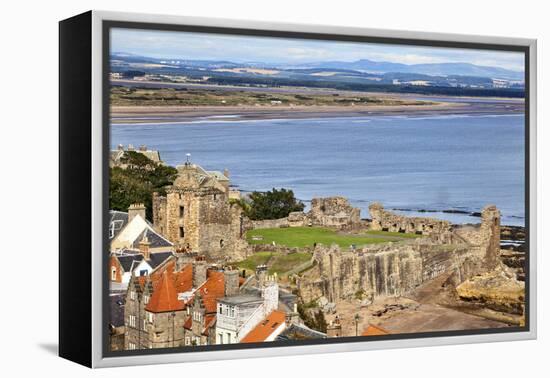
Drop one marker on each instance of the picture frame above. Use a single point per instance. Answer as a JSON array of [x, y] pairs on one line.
[[85, 149]]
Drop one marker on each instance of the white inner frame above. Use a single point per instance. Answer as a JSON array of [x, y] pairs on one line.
[[97, 211]]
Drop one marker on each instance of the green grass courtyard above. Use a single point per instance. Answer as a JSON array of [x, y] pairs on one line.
[[306, 236]]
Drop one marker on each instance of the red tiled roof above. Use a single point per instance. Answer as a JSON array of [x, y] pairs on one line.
[[265, 328], [373, 330], [165, 296], [188, 323], [209, 321], [212, 290]]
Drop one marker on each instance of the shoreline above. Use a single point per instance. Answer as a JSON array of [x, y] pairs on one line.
[[173, 114]]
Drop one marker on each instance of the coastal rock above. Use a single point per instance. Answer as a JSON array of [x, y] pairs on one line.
[[498, 290]]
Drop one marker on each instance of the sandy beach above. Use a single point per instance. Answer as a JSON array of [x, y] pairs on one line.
[[166, 114]]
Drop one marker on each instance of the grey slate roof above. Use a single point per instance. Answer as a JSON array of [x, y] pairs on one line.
[[299, 332], [118, 220], [127, 261], [116, 308], [158, 258], [155, 239]]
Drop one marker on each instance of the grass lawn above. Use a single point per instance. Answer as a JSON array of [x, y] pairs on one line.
[[307, 236], [277, 262]]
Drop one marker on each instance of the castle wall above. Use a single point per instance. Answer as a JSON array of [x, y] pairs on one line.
[[383, 220]]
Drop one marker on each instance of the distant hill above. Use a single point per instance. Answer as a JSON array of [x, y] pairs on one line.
[[432, 69]]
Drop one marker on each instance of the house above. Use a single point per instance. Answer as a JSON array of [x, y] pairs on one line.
[[175, 305], [268, 329], [240, 314], [116, 158], [135, 230]]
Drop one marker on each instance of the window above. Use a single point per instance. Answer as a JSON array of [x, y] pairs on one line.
[[220, 306], [143, 272], [182, 211], [144, 324], [133, 295], [113, 226], [151, 317], [220, 338], [221, 243], [214, 197], [187, 340], [132, 321], [182, 232], [228, 338], [146, 299], [131, 346], [113, 273]]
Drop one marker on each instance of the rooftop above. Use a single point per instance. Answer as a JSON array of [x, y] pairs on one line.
[[373, 330], [267, 327], [241, 299]]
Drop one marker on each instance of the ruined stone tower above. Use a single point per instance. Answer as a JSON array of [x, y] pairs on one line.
[[196, 214], [490, 234]]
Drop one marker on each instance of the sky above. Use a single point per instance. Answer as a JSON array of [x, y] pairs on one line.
[[203, 46]]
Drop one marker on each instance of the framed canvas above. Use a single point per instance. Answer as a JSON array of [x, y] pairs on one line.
[[234, 189]]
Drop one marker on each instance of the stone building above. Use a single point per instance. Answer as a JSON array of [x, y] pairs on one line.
[[240, 314], [333, 212], [197, 215], [116, 158], [175, 305]]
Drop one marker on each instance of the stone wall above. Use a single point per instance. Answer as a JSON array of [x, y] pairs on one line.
[[383, 220], [268, 223], [379, 270]]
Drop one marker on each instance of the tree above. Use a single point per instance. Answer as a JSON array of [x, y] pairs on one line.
[[274, 204], [137, 182]]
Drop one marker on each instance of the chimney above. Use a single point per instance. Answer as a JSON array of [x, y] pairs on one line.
[[136, 209], [144, 245], [199, 273], [261, 271], [131, 147], [231, 281], [226, 172], [120, 147], [143, 147]]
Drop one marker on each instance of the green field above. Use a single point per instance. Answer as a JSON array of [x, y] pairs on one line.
[[277, 262], [307, 236]]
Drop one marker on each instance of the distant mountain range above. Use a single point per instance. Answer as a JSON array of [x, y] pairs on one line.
[[362, 75], [363, 65], [432, 69]]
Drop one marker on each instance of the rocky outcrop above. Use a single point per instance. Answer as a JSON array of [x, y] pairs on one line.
[[498, 290]]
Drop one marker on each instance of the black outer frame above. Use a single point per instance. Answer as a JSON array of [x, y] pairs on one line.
[[108, 24], [75, 103], [75, 189]]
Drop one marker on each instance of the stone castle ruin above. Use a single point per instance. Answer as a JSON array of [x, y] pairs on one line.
[[394, 269], [332, 212], [196, 214], [383, 220]]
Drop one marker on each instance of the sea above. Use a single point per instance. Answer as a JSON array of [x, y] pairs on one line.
[[444, 166]]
